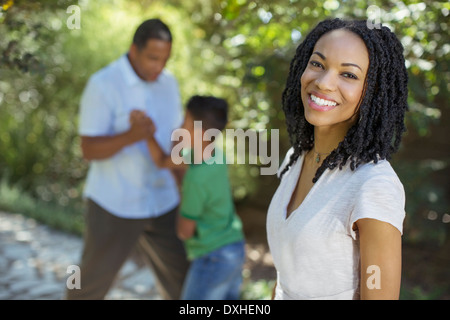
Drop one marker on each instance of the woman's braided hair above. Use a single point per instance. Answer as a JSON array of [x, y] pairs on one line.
[[382, 107]]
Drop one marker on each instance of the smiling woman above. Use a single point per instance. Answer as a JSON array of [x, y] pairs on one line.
[[338, 233], [384, 85], [329, 82]]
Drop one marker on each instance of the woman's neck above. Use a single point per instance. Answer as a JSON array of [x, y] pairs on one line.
[[326, 139]]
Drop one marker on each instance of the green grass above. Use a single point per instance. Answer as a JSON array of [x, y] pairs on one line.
[[68, 218]]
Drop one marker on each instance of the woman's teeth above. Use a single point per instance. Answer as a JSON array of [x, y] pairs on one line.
[[322, 102]]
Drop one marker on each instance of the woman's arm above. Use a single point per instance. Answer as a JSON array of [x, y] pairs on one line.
[[381, 258]]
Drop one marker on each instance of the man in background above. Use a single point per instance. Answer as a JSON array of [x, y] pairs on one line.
[[129, 200]]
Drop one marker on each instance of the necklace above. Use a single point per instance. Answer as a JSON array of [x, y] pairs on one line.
[[317, 159]]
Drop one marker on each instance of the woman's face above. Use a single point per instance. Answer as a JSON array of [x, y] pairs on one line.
[[333, 81]]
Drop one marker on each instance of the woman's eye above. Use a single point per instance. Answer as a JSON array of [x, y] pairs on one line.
[[349, 75], [316, 64]]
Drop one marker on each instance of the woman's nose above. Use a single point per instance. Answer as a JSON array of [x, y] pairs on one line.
[[326, 81]]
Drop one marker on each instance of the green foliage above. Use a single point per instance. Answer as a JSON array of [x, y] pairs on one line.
[[67, 218], [417, 293], [427, 203], [257, 290], [237, 49]]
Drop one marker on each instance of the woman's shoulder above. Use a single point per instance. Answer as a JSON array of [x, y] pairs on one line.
[[381, 167], [379, 175], [379, 195]]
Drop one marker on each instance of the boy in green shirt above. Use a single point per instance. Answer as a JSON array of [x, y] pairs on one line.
[[208, 223]]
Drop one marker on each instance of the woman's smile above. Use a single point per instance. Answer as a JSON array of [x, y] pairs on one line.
[[321, 102]]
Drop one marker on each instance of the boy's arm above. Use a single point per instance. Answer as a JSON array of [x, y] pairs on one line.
[[185, 227], [159, 157]]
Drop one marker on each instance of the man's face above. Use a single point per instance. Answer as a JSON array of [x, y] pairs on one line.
[[149, 61]]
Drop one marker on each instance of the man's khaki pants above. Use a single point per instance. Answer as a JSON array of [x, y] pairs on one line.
[[109, 241]]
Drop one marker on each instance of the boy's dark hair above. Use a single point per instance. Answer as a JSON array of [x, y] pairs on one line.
[[151, 29], [382, 107], [212, 111]]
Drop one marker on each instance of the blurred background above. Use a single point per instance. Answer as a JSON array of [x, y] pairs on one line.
[[236, 49]]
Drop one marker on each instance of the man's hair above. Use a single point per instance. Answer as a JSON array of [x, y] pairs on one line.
[[212, 111], [151, 29], [382, 107]]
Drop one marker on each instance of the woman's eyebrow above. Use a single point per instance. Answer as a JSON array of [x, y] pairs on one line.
[[350, 65], [347, 64], [320, 55]]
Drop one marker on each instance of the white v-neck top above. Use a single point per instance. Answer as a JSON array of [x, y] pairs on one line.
[[315, 250]]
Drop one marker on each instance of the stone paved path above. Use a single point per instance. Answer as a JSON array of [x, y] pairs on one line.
[[34, 260]]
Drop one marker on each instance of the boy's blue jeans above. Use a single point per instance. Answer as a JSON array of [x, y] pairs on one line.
[[216, 275]]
